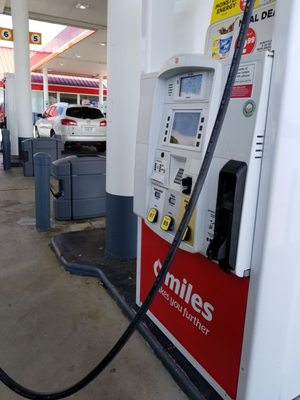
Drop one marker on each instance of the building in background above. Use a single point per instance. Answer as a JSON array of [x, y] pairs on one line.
[[63, 84], [66, 88]]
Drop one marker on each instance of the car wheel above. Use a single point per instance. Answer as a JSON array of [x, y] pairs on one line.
[[101, 147], [36, 132]]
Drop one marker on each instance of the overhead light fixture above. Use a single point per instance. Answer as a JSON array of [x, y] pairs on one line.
[[102, 44], [77, 56], [61, 64], [82, 6]]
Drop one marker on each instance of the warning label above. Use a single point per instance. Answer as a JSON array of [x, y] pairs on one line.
[[245, 74], [241, 91], [243, 86]]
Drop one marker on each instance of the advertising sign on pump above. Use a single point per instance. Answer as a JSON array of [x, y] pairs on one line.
[[225, 23]]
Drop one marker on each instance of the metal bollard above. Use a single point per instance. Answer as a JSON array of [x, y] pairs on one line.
[[42, 193], [6, 149]]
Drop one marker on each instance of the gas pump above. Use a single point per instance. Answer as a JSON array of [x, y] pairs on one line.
[[201, 306]]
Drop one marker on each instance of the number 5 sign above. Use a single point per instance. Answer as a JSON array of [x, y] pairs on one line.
[[35, 38], [8, 34]]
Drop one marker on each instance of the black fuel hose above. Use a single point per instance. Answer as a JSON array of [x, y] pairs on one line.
[[31, 394]]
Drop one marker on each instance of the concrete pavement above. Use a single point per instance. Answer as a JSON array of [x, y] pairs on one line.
[[55, 326]]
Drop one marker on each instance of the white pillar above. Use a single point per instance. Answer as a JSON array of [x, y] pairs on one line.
[[157, 33], [124, 67], [100, 101], [11, 111], [172, 27], [19, 10], [45, 86]]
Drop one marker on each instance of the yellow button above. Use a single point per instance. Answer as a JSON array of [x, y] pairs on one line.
[[166, 223], [187, 233], [152, 215]]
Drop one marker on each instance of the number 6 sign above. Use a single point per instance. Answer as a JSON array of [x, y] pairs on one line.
[[6, 34]]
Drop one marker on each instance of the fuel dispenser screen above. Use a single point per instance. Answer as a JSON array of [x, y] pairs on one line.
[[190, 85], [185, 128]]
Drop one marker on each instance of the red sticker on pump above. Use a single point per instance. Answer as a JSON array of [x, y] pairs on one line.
[[243, 4], [241, 91], [250, 41]]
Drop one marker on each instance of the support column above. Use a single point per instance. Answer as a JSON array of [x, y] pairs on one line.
[[124, 67], [181, 24], [19, 10], [11, 111], [100, 101], [45, 90]]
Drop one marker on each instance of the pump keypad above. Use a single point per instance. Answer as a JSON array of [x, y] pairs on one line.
[[152, 215], [167, 223]]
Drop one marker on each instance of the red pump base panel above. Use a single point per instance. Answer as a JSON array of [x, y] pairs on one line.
[[199, 307]]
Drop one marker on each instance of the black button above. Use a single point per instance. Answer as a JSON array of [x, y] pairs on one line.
[[186, 183]]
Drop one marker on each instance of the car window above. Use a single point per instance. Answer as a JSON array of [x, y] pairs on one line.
[[60, 110], [84, 112]]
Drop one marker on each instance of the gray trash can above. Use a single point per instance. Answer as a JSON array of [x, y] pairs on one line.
[[30, 147], [79, 187]]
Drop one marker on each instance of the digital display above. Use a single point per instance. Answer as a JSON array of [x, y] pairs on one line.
[[184, 128], [190, 85]]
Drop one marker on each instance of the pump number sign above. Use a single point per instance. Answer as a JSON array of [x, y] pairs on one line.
[[8, 35], [35, 38]]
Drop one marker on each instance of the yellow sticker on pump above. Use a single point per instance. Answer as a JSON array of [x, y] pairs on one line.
[[166, 223], [223, 9]]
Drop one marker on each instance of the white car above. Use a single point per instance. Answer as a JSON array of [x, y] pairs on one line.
[[74, 123]]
